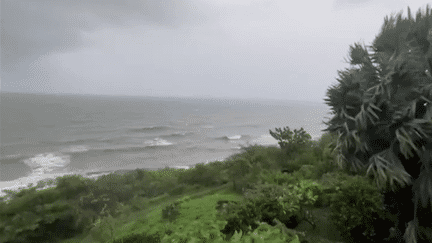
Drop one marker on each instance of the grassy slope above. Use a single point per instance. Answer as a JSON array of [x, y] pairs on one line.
[[133, 223]]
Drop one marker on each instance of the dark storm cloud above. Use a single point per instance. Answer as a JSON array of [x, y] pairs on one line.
[[31, 29]]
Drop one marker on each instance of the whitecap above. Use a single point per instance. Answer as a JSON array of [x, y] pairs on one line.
[[75, 149], [186, 167], [23, 182], [265, 140], [158, 142], [48, 162], [235, 137]]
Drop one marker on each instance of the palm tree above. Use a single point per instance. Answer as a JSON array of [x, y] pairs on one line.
[[382, 114]]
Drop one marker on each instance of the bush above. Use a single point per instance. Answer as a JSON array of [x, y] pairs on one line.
[[133, 238], [109, 184], [217, 165], [292, 143], [241, 184], [73, 185], [355, 208], [240, 218], [171, 212], [275, 177], [265, 203], [178, 190], [45, 223], [306, 159], [139, 203], [200, 174], [40, 216]]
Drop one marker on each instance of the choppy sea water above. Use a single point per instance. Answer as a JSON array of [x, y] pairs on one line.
[[45, 136]]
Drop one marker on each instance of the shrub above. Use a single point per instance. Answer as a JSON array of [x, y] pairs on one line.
[[45, 223], [37, 215], [171, 211], [240, 184], [275, 177], [265, 203], [292, 143], [133, 238], [306, 159], [184, 199], [200, 174], [139, 203], [240, 218], [109, 184], [355, 208], [178, 190], [218, 165], [73, 185]]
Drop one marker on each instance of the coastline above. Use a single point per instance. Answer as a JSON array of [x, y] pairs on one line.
[[25, 182]]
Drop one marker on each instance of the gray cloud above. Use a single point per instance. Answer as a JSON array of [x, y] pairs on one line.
[[342, 4], [209, 48], [31, 29]]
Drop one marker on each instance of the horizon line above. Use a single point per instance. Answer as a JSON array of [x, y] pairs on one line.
[[172, 97]]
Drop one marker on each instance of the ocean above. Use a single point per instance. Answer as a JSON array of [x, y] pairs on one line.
[[44, 136]]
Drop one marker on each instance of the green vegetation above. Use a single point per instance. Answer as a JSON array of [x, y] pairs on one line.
[[383, 117]]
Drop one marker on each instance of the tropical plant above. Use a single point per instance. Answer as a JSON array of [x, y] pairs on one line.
[[382, 114], [292, 142]]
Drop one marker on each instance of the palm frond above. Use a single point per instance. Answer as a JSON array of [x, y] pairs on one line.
[[423, 188], [406, 144], [379, 107], [388, 169], [409, 14]]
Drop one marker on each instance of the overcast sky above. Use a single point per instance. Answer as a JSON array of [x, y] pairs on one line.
[[274, 49]]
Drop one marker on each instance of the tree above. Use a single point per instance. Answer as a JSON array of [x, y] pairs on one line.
[[293, 143], [382, 114]]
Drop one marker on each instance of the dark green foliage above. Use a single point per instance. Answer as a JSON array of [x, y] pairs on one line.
[[356, 207], [138, 238], [72, 185], [140, 174], [46, 223], [396, 202], [109, 184], [171, 211], [61, 212], [383, 114], [178, 190], [262, 204], [31, 213], [240, 218], [276, 178], [292, 143], [239, 185], [201, 175]]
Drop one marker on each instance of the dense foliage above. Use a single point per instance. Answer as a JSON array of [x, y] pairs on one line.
[[267, 202], [292, 143], [356, 210], [382, 116]]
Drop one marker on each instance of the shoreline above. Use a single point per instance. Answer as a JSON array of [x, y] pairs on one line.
[[18, 184]]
